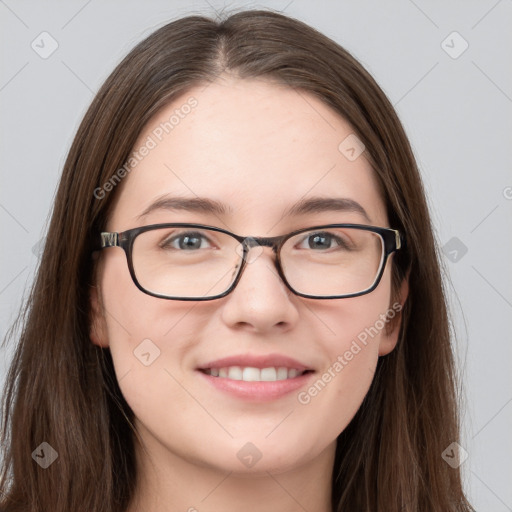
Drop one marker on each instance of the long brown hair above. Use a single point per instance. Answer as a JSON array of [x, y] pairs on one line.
[[61, 388]]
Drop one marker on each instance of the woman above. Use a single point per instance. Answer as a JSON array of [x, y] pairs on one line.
[[239, 303]]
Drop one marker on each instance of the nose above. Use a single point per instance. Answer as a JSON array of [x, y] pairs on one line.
[[260, 302]]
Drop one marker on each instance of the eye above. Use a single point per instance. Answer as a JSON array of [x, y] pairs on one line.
[[188, 241], [323, 240]]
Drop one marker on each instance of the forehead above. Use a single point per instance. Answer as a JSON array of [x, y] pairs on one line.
[[256, 146]]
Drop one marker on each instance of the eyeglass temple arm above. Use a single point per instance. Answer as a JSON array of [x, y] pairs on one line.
[[109, 240], [398, 239]]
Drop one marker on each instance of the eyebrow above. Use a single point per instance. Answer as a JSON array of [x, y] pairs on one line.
[[326, 204], [304, 206], [191, 204]]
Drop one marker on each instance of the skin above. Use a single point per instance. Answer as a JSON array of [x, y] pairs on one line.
[[259, 148]]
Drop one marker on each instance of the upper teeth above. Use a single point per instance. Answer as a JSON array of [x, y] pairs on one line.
[[250, 374]]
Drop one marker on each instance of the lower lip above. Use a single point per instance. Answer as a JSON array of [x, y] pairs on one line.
[[258, 391]]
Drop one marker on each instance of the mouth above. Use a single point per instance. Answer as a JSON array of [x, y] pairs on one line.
[[256, 378], [252, 374]]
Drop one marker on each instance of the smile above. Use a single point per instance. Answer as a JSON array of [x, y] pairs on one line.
[[251, 374]]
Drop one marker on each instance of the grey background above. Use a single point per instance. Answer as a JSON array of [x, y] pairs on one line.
[[456, 111]]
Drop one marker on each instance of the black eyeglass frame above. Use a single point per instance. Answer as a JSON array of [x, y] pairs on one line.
[[392, 238]]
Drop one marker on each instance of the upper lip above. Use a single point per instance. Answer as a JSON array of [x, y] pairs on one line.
[[256, 361]]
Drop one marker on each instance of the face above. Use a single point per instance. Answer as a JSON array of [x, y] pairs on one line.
[[259, 149]]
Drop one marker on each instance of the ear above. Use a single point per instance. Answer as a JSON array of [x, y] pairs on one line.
[[389, 336], [97, 322]]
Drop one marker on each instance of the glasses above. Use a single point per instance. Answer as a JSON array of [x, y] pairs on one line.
[[198, 262]]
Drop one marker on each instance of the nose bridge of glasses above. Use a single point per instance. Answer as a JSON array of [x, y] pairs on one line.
[[260, 242]]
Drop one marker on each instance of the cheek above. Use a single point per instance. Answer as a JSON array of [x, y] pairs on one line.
[[149, 340], [352, 353], [341, 385], [145, 334]]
